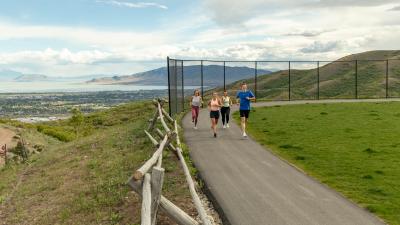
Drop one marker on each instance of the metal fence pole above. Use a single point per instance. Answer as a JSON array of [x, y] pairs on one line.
[[289, 81], [356, 79], [169, 88], [176, 85], [255, 79], [224, 77], [183, 88], [387, 78], [318, 80], [202, 84]]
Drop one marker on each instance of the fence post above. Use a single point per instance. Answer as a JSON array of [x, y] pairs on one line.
[[146, 201], [169, 88], [255, 79], [289, 81], [202, 82], [318, 80], [183, 88], [356, 79], [387, 78], [224, 77], [176, 85], [157, 180]]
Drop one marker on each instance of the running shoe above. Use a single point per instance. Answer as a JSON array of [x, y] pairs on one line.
[[227, 125], [195, 127], [244, 135], [224, 126], [215, 135]]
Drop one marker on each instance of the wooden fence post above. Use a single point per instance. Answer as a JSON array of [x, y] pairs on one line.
[[173, 211], [153, 121], [146, 201], [157, 180]]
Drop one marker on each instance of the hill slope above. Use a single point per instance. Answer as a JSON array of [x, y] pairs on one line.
[[83, 179], [337, 79]]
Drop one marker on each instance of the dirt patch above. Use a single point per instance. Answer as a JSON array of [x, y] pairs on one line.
[[6, 138]]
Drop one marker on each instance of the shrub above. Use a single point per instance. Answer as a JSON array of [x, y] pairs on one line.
[[58, 133]]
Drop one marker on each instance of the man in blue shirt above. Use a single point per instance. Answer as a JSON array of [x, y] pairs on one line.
[[244, 97]]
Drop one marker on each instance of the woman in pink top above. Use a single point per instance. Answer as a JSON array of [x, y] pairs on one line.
[[214, 105]]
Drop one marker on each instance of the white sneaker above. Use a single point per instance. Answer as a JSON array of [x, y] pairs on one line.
[[227, 125], [195, 127], [224, 126], [244, 135]]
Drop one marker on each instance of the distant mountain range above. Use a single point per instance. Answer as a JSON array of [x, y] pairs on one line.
[[212, 76], [15, 76]]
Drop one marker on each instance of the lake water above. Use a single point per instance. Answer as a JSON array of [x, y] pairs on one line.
[[43, 87]]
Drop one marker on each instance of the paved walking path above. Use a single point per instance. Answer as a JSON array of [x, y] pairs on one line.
[[254, 187]]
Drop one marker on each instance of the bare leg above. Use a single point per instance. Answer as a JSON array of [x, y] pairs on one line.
[[243, 121], [215, 125]]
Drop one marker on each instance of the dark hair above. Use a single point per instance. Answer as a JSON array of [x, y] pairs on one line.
[[243, 83]]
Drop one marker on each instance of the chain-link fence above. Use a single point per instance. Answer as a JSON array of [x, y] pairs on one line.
[[283, 80]]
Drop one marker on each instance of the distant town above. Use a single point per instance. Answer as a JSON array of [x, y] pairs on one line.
[[37, 107]]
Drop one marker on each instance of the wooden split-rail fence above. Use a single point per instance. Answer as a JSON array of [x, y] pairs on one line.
[[147, 181]]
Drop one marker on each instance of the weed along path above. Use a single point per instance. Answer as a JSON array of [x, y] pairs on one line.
[[252, 186]]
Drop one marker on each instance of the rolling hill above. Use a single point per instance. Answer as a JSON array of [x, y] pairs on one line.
[[337, 79], [191, 76], [81, 178]]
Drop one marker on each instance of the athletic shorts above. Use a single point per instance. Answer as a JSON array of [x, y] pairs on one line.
[[214, 114], [244, 113]]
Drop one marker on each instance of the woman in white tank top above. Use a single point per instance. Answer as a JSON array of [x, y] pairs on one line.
[[226, 109]]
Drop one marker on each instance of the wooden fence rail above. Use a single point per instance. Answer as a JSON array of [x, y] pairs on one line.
[[147, 181]]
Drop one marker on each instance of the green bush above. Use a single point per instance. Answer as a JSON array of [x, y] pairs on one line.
[[56, 132]]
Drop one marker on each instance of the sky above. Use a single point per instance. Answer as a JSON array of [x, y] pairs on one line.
[[82, 37]]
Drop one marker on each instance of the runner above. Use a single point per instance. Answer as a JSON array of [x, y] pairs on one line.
[[214, 105], [195, 103], [226, 109], [244, 97]]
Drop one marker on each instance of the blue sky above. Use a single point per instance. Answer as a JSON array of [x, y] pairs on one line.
[[79, 37]]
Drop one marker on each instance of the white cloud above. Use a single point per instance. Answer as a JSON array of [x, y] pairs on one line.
[[111, 40], [235, 12], [396, 8], [133, 5]]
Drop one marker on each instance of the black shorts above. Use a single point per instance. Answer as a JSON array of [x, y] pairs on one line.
[[214, 114], [244, 113]]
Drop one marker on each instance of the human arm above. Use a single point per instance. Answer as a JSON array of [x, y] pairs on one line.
[[251, 96]]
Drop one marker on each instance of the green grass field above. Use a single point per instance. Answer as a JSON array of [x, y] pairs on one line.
[[82, 179], [352, 147]]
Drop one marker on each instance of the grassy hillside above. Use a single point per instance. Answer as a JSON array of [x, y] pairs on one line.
[[351, 147], [337, 79], [80, 176]]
